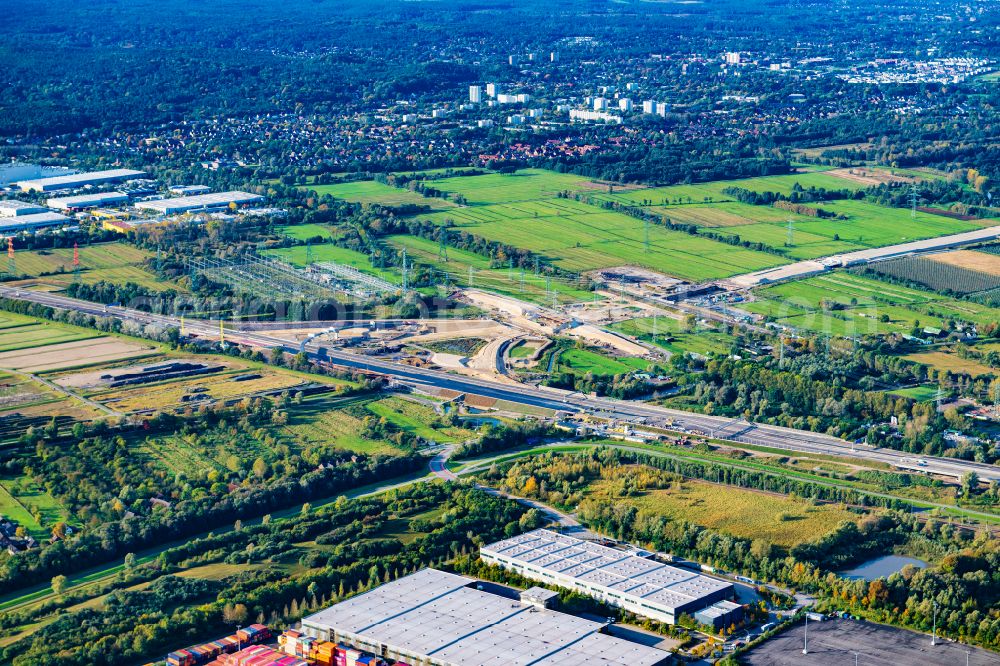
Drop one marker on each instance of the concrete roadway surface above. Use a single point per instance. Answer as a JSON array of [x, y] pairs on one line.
[[735, 430]]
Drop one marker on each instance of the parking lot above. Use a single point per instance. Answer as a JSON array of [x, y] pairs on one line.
[[834, 643]]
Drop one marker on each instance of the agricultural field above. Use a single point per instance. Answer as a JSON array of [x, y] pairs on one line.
[[713, 191], [939, 275], [672, 336], [949, 362], [983, 262], [525, 185], [372, 192], [578, 237], [114, 262], [778, 519], [31, 334], [859, 306], [500, 280], [82, 351]]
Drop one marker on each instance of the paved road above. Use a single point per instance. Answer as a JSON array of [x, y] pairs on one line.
[[712, 426]]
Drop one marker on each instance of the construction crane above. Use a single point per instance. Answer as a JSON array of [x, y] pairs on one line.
[[11, 264]]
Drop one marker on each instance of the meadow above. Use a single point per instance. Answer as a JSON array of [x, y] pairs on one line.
[[578, 237], [857, 306], [372, 192], [778, 519], [39, 334], [582, 361], [500, 280], [672, 336], [114, 262]]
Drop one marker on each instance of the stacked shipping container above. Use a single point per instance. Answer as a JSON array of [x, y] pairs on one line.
[[205, 653]]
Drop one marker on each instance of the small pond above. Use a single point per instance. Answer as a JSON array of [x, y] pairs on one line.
[[881, 567]]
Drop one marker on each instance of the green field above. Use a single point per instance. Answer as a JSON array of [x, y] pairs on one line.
[[111, 262], [39, 335], [501, 280], [22, 500], [670, 335], [582, 361], [924, 393], [778, 519], [417, 419], [860, 304], [578, 237], [306, 231], [525, 185], [713, 191], [372, 192]]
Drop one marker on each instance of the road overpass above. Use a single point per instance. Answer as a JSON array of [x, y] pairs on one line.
[[735, 430]]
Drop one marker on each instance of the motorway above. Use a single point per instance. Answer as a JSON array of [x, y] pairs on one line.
[[717, 427]]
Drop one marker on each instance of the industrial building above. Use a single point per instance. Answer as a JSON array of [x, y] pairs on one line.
[[720, 615], [631, 580], [15, 225], [74, 181], [201, 202], [435, 617], [12, 208], [13, 172], [189, 190], [85, 201]]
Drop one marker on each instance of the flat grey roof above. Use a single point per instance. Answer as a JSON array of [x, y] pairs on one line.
[[639, 579], [199, 201], [9, 207], [719, 609], [435, 614], [78, 178], [85, 199], [29, 221]]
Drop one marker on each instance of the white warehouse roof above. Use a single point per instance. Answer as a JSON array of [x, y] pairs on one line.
[[78, 180], [435, 615], [9, 225], [607, 571], [87, 200], [14, 208], [214, 200]]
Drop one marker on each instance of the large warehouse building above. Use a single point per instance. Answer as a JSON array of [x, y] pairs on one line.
[[84, 201], [15, 225], [624, 579], [201, 202], [79, 180], [437, 618], [13, 208]]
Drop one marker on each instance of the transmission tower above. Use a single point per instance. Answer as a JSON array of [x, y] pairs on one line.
[[522, 279], [472, 275], [309, 252], [646, 233], [548, 286], [159, 259], [536, 265], [443, 244], [913, 201], [791, 232], [11, 264], [510, 269]]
